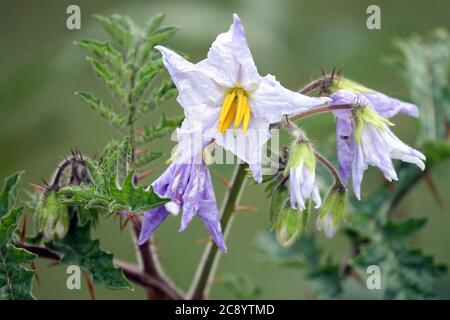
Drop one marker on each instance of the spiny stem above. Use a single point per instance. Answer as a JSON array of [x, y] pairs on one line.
[[210, 259], [147, 255], [321, 109], [130, 271]]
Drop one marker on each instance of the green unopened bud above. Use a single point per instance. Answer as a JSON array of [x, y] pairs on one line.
[[343, 83], [332, 212], [363, 115], [53, 216], [290, 226], [301, 152]]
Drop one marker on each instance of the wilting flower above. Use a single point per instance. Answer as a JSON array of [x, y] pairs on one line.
[[332, 211], [190, 188], [385, 106], [225, 90], [301, 167], [364, 138]]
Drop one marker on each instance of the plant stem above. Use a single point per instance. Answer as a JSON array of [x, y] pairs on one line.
[[327, 164], [210, 259], [321, 109], [131, 272]]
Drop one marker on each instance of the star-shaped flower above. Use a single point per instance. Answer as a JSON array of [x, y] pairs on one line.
[[225, 90]]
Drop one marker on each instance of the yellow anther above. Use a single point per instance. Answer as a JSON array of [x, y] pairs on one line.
[[246, 119], [228, 101], [241, 105], [235, 107], [229, 118]]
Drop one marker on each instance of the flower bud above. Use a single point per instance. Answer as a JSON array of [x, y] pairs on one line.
[[290, 226], [301, 168], [332, 212], [53, 217]]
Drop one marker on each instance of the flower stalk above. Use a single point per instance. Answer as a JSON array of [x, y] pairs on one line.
[[210, 259]]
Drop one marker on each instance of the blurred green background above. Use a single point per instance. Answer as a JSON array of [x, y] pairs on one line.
[[41, 119]]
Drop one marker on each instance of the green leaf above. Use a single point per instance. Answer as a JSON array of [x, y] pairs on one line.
[[154, 23], [161, 34], [15, 276], [395, 231], [115, 26], [123, 160], [112, 187], [279, 200], [165, 127], [145, 76], [133, 198], [104, 110], [9, 193], [304, 254], [78, 248], [147, 157], [408, 273], [157, 96], [424, 63], [240, 286]]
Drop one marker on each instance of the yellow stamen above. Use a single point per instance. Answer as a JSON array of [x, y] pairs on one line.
[[246, 119], [241, 104], [235, 107], [228, 101], [229, 118]]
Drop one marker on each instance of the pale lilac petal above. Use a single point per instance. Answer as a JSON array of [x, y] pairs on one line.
[[195, 88], [152, 219], [271, 101], [326, 224], [303, 185], [345, 145], [229, 60], [388, 107], [247, 146], [194, 135]]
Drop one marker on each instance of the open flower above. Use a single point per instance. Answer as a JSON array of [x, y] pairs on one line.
[[301, 167], [190, 188], [225, 91], [364, 138]]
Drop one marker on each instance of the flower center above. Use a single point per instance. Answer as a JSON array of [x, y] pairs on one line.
[[235, 106]]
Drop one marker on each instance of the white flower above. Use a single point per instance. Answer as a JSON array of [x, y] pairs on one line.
[[225, 90]]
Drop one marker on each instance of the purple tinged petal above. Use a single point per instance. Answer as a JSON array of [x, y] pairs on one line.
[[209, 214], [345, 145], [388, 107], [152, 220]]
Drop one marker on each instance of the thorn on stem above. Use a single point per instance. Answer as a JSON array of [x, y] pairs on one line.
[[245, 208], [433, 189], [222, 179]]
